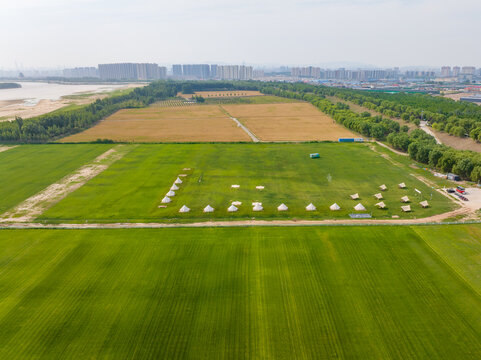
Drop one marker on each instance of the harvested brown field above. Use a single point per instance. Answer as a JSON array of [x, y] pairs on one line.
[[288, 122], [165, 124], [223, 94]]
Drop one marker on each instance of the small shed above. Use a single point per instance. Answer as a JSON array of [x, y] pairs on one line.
[[315, 156], [453, 177]]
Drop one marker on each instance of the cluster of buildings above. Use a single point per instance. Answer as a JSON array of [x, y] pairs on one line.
[[213, 71], [344, 74], [461, 73], [120, 71]]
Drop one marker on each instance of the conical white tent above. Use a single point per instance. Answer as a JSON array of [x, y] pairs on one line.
[[402, 185], [405, 199], [166, 200], [184, 209], [310, 207], [208, 209], [424, 204], [256, 203], [282, 207], [383, 187], [406, 208], [171, 193], [257, 207], [236, 203], [232, 208], [381, 205], [378, 196], [178, 181], [335, 207], [260, 187], [359, 207], [174, 187], [355, 196]]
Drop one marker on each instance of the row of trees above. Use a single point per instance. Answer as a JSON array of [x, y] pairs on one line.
[[419, 145], [453, 117]]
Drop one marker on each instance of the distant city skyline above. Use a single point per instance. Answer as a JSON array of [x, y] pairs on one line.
[[374, 33]]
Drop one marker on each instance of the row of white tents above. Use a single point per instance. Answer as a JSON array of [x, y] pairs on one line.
[[175, 186], [257, 206]]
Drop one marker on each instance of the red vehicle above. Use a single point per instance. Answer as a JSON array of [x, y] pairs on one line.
[[460, 190]]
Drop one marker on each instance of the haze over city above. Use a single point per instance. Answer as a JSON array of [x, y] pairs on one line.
[[362, 33]]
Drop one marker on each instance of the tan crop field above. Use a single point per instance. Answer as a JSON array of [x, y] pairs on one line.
[[165, 124], [214, 94], [288, 122]]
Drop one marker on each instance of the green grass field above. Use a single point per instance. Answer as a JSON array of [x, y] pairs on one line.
[[28, 169], [268, 293], [132, 188]]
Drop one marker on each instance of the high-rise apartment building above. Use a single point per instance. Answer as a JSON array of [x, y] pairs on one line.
[[131, 71], [456, 71], [177, 70], [446, 71], [468, 70]]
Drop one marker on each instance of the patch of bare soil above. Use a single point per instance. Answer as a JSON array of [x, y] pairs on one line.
[[34, 206], [5, 148]]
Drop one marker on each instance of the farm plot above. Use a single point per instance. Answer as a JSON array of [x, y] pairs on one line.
[[27, 169], [266, 293], [288, 122], [131, 189], [165, 124]]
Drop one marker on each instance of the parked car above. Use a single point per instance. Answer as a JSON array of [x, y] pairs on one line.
[[460, 190], [450, 190]]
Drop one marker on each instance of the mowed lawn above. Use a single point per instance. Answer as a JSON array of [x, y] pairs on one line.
[[133, 187], [28, 169], [236, 293]]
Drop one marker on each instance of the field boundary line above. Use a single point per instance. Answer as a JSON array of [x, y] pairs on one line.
[[35, 205], [432, 220], [241, 125]]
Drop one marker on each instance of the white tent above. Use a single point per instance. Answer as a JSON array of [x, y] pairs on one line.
[[235, 186], [402, 185], [383, 187], [208, 209], [232, 208], [310, 207], [334, 207], [406, 208], [166, 200], [236, 203], [178, 181], [359, 207], [174, 187], [381, 205], [282, 207], [171, 193], [184, 209], [355, 196], [405, 199], [424, 204], [260, 187], [256, 203], [378, 196], [257, 207]]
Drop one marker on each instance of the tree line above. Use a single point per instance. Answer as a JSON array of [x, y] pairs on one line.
[[420, 146]]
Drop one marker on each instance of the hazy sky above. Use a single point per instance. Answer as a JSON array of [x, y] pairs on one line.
[[384, 33]]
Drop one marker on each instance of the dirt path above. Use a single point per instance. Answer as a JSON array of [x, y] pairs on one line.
[[428, 131], [391, 149], [5, 148], [239, 223], [34, 206], [246, 130]]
